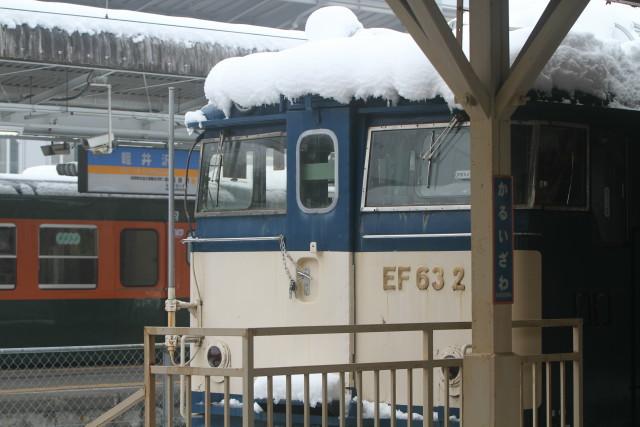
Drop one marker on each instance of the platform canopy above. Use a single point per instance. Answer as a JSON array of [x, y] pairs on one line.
[[57, 59]]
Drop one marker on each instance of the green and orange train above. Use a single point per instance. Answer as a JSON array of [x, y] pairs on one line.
[[83, 269]]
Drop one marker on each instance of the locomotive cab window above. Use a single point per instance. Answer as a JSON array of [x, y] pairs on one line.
[[138, 257], [243, 175], [550, 165], [417, 167], [68, 257], [7, 256], [317, 174]]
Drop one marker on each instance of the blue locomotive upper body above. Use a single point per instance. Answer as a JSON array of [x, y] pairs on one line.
[[356, 220]]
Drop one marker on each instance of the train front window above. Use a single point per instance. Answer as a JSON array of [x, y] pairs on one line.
[[243, 174], [417, 166], [68, 257], [7, 256], [138, 257], [550, 164]]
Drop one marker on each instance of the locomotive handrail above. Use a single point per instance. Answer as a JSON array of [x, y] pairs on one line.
[[230, 239], [414, 235]]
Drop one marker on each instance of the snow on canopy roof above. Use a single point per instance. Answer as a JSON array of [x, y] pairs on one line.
[[600, 57], [140, 25], [38, 180]]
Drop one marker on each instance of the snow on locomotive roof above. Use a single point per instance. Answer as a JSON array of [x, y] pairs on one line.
[[140, 25], [343, 61]]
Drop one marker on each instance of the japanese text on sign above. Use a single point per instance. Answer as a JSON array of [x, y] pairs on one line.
[[503, 240], [137, 170]]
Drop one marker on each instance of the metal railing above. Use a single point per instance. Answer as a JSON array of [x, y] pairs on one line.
[[249, 372], [545, 363]]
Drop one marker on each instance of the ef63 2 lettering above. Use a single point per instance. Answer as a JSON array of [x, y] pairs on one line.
[[394, 278]]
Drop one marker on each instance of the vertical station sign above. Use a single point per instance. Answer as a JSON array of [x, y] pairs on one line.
[[136, 170], [503, 240]]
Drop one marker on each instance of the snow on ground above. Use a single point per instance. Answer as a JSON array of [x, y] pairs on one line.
[[140, 25], [368, 411], [600, 57], [297, 388], [235, 403]]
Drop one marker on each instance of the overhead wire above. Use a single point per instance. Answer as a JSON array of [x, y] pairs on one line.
[[79, 94]]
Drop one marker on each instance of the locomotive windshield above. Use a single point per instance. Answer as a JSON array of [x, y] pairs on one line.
[[550, 163], [243, 174], [418, 165]]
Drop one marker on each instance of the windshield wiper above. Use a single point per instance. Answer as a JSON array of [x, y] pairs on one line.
[[435, 145], [220, 155]]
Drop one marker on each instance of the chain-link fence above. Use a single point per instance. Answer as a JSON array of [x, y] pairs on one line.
[[71, 386]]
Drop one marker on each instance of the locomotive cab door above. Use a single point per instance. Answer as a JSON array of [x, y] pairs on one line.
[[319, 222]]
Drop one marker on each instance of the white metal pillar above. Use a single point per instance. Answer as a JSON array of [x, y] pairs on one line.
[[491, 371]]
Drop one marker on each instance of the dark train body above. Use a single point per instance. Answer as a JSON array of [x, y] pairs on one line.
[[591, 256]]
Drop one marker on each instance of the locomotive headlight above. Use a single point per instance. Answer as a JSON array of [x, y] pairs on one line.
[[453, 374], [219, 355], [214, 356]]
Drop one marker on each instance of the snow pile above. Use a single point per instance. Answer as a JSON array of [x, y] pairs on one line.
[[297, 388], [600, 57], [140, 25], [368, 411], [236, 404], [44, 173], [38, 180], [194, 117], [332, 22]]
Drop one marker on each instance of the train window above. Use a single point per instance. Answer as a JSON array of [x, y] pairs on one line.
[[138, 257], [551, 162], [523, 158], [7, 256], [243, 175], [317, 175], [417, 167], [68, 257]]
